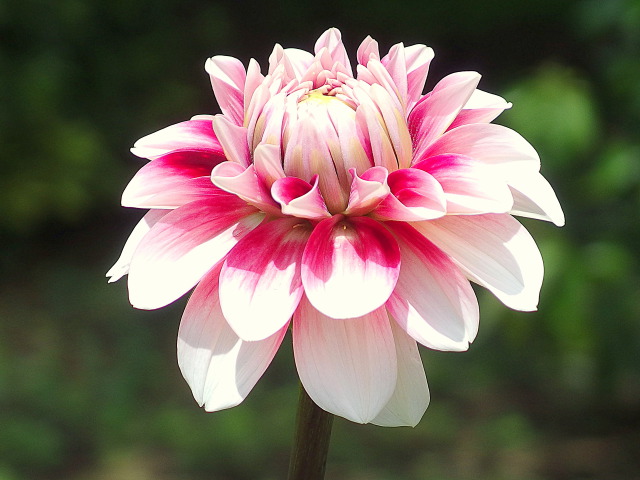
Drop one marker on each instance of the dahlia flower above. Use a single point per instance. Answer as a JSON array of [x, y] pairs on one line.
[[346, 206]]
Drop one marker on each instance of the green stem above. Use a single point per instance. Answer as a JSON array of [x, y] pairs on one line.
[[311, 440]]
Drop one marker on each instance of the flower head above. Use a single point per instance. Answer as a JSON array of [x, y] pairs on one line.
[[345, 205]]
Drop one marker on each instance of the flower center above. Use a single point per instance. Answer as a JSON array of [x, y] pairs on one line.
[[321, 139]]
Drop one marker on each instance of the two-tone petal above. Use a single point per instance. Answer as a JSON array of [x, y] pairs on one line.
[[194, 134], [183, 245], [220, 368], [433, 301], [350, 266], [260, 284], [172, 180]]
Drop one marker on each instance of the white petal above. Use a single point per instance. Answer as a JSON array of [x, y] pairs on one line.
[[348, 367], [411, 396], [121, 267], [220, 368], [493, 250], [534, 198]]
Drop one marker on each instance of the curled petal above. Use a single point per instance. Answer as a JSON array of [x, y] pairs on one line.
[[172, 180], [396, 65], [332, 41], [300, 198], [260, 284], [469, 186], [367, 191], [433, 114], [253, 81], [411, 397], [183, 245], [493, 250], [234, 178], [228, 78], [121, 267], [296, 62], [268, 164], [433, 301], [220, 368], [348, 367], [233, 139], [195, 134], [418, 58], [268, 128], [350, 266], [415, 195], [367, 49], [376, 74]]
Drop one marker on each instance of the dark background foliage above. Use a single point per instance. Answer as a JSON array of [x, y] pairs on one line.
[[89, 387]]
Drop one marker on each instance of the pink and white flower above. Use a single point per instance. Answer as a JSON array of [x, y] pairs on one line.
[[345, 206]]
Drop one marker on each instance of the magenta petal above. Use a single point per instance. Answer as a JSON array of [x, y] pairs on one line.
[[260, 284], [299, 198], [348, 367], [228, 78], [190, 135], [172, 180], [433, 114], [433, 301], [350, 266], [220, 368], [244, 182], [182, 246], [415, 195]]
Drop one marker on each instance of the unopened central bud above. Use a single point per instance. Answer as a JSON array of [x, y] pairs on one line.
[[322, 139]]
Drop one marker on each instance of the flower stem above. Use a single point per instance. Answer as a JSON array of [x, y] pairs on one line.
[[311, 440]]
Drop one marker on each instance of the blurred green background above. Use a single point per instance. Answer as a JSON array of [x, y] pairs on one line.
[[89, 387]]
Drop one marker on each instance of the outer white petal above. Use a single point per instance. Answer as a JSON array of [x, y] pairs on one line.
[[348, 367], [493, 250], [220, 368], [433, 301], [411, 396], [534, 198], [121, 267]]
